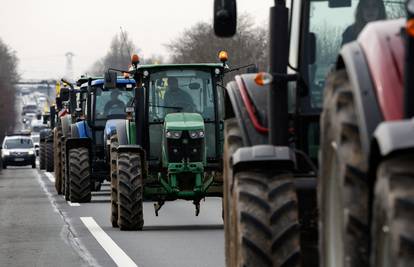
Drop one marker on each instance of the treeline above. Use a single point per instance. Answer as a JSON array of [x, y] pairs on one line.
[[8, 78], [197, 44]]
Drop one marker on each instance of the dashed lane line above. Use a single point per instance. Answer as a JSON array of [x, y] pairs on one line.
[[74, 204], [113, 250], [50, 176]]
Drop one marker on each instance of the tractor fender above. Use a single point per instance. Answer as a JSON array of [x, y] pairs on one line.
[[139, 150], [394, 136], [352, 58], [247, 101], [66, 121], [44, 133], [81, 129], [117, 126]]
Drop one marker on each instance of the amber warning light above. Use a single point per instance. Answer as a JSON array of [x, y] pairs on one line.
[[134, 60], [223, 56]]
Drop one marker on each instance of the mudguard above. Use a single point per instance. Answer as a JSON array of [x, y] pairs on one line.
[[352, 58], [44, 133], [249, 105], [117, 126], [394, 136], [81, 129], [66, 121]]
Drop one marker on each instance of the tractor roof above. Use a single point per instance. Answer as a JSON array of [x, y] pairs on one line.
[[118, 81], [191, 65]]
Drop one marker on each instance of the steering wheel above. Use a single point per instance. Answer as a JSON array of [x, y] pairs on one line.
[[183, 106]]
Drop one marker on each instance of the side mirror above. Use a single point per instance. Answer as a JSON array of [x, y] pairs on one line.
[[225, 18], [339, 3], [194, 86], [110, 79]]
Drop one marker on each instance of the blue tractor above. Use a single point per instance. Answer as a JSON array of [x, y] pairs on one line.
[[87, 146]]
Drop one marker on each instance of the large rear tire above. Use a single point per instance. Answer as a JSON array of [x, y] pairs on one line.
[[42, 155], [57, 158], [114, 180], [79, 175], [65, 180], [393, 220], [343, 191], [130, 192], [261, 215], [49, 157]]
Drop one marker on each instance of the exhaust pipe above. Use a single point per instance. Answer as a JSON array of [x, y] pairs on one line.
[[409, 62]]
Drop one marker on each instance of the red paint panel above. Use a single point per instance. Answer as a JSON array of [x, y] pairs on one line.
[[384, 50]]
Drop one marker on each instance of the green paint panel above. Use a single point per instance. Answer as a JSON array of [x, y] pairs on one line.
[[184, 121]]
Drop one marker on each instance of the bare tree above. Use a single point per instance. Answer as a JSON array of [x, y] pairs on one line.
[[199, 44], [118, 55], [8, 78]]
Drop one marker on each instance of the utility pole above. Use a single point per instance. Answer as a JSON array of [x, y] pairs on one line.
[[69, 66]]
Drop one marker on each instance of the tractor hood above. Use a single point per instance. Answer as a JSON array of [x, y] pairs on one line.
[[183, 121]]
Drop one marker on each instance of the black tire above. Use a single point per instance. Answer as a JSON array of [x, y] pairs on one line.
[[4, 166], [261, 214], [65, 180], [42, 155], [130, 192], [57, 159], [34, 164], [343, 191], [393, 221], [49, 157], [79, 175], [114, 181]]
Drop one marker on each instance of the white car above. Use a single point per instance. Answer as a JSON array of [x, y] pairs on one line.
[[18, 150]]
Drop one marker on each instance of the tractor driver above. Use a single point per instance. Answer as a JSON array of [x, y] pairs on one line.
[[175, 97], [115, 105]]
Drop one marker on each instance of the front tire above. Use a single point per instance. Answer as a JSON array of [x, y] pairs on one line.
[[261, 213], [130, 192], [393, 221], [114, 180], [49, 156], [79, 175], [42, 155], [57, 159], [343, 190]]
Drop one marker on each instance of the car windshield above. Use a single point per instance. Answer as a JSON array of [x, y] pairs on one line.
[[35, 138], [112, 102], [335, 27], [37, 129], [180, 90], [16, 143]]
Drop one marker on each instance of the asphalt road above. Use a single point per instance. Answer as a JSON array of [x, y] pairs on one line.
[[39, 228]]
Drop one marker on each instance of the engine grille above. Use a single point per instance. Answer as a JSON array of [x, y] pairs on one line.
[[180, 150]]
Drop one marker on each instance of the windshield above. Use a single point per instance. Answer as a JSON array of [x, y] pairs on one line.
[[35, 138], [16, 143], [112, 102], [37, 129], [334, 27], [181, 90]]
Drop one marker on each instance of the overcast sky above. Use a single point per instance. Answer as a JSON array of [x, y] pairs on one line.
[[42, 31]]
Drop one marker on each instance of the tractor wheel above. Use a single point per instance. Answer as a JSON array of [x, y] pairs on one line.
[[130, 192], [42, 155], [57, 159], [114, 181], [343, 190], [232, 142], [79, 175], [49, 157], [393, 220], [65, 180], [261, 215]]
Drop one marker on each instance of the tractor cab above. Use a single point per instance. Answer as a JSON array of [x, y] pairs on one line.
[[183, 104]]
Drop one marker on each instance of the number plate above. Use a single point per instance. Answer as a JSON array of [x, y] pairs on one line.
[[18, 159]]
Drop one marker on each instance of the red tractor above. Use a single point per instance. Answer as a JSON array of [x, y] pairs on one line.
[[366, 179]]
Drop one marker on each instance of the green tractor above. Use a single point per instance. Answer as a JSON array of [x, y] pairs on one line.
[[170, 147]]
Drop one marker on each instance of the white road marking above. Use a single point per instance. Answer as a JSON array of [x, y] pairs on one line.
[[113, 250], [74, 204], [50, 177]]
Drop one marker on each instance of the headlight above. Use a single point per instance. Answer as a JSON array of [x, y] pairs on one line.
[[173, 134], [31, 152], [6, 152], [196, 134]]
